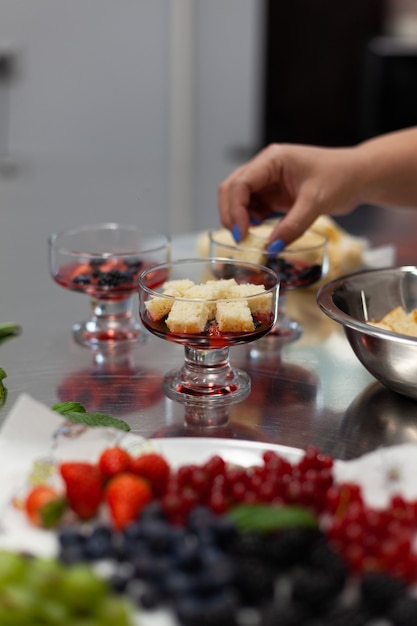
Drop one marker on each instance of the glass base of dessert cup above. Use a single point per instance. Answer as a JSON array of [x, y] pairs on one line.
[[207, 384], [110, 325]]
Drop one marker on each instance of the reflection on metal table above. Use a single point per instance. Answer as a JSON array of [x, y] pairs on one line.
[[313, 390]]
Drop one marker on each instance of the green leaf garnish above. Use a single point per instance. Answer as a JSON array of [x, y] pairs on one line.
[[52, 512], [75, 412], [9, 328], [3, 390], [66, 407], [266, 518]]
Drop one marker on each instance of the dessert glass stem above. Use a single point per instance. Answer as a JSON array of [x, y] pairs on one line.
[[111, 320], [207, 375]]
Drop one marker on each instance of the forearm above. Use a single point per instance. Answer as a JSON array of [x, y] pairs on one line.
[[388, 166]]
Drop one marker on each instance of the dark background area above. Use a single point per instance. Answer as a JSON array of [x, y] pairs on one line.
[[331, 77]]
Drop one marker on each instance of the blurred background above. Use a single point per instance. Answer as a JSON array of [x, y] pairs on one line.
[[135, 110]]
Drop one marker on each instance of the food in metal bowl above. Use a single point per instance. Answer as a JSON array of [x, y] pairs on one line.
[[357, 301]]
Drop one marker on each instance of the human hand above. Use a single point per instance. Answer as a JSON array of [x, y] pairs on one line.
[[301, 181]]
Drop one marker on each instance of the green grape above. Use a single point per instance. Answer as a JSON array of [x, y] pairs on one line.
[[81, 588], [12, 567], [53, 613], [114, 610], [43, 592], [18, 605], [44, 576]]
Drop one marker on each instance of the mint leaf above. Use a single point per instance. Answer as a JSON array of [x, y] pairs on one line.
[[265, 517], [9, 328], [3, 390], [75, 412], [65, 407]]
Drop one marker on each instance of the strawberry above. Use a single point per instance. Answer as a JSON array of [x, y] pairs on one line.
[[44, 506], [83, 483], [113, 461], [126, 495], [154, 468]]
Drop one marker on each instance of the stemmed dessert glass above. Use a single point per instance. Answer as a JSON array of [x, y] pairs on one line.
[[104, 261], [208, 306], [301, 264]]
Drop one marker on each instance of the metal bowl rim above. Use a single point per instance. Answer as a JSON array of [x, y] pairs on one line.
[[326, 303]]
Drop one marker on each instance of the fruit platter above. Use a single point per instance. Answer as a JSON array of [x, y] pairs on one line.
[[184, 531]]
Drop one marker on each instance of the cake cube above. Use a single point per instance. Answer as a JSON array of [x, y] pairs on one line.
[[259, 304], [234, 316], [222, 288], [159, 307], [187, 317], [205, 292], [177, 287]]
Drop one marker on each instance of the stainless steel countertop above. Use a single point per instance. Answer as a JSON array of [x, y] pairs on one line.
[[311, 391]]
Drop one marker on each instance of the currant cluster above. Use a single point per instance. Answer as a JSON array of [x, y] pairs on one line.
[[275, 481], [372, 539]]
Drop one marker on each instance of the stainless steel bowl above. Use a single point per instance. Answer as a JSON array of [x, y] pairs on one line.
[[368, 295]]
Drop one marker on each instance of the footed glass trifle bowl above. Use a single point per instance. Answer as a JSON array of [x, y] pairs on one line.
[[209, 306], [103, 261], [301, 264]]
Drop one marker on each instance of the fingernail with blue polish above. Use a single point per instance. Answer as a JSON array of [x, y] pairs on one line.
[[275, 247], [236, 233], [255, 221]]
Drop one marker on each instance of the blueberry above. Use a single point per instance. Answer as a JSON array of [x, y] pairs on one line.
[[99, 545], [150, 598], [156, 534], [121, 576], [81, 279], [144, 565], [178, 584], [133, 263], [212, 610], [310, 274], [70, 536], [187, 554]]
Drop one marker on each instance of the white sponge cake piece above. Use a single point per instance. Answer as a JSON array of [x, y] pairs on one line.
[[177, 287], [260, 304], [398, 321], [159, 307], [206, 292], [187, 317], [234, 316]]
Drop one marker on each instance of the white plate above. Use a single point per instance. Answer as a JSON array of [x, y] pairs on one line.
[[29, 431]]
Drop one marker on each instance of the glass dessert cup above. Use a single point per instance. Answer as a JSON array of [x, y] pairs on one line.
[[202, 308], [103, 261], [301, 264]]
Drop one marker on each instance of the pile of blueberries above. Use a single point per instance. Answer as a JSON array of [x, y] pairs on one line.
[[210, 573], [112, 278]]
